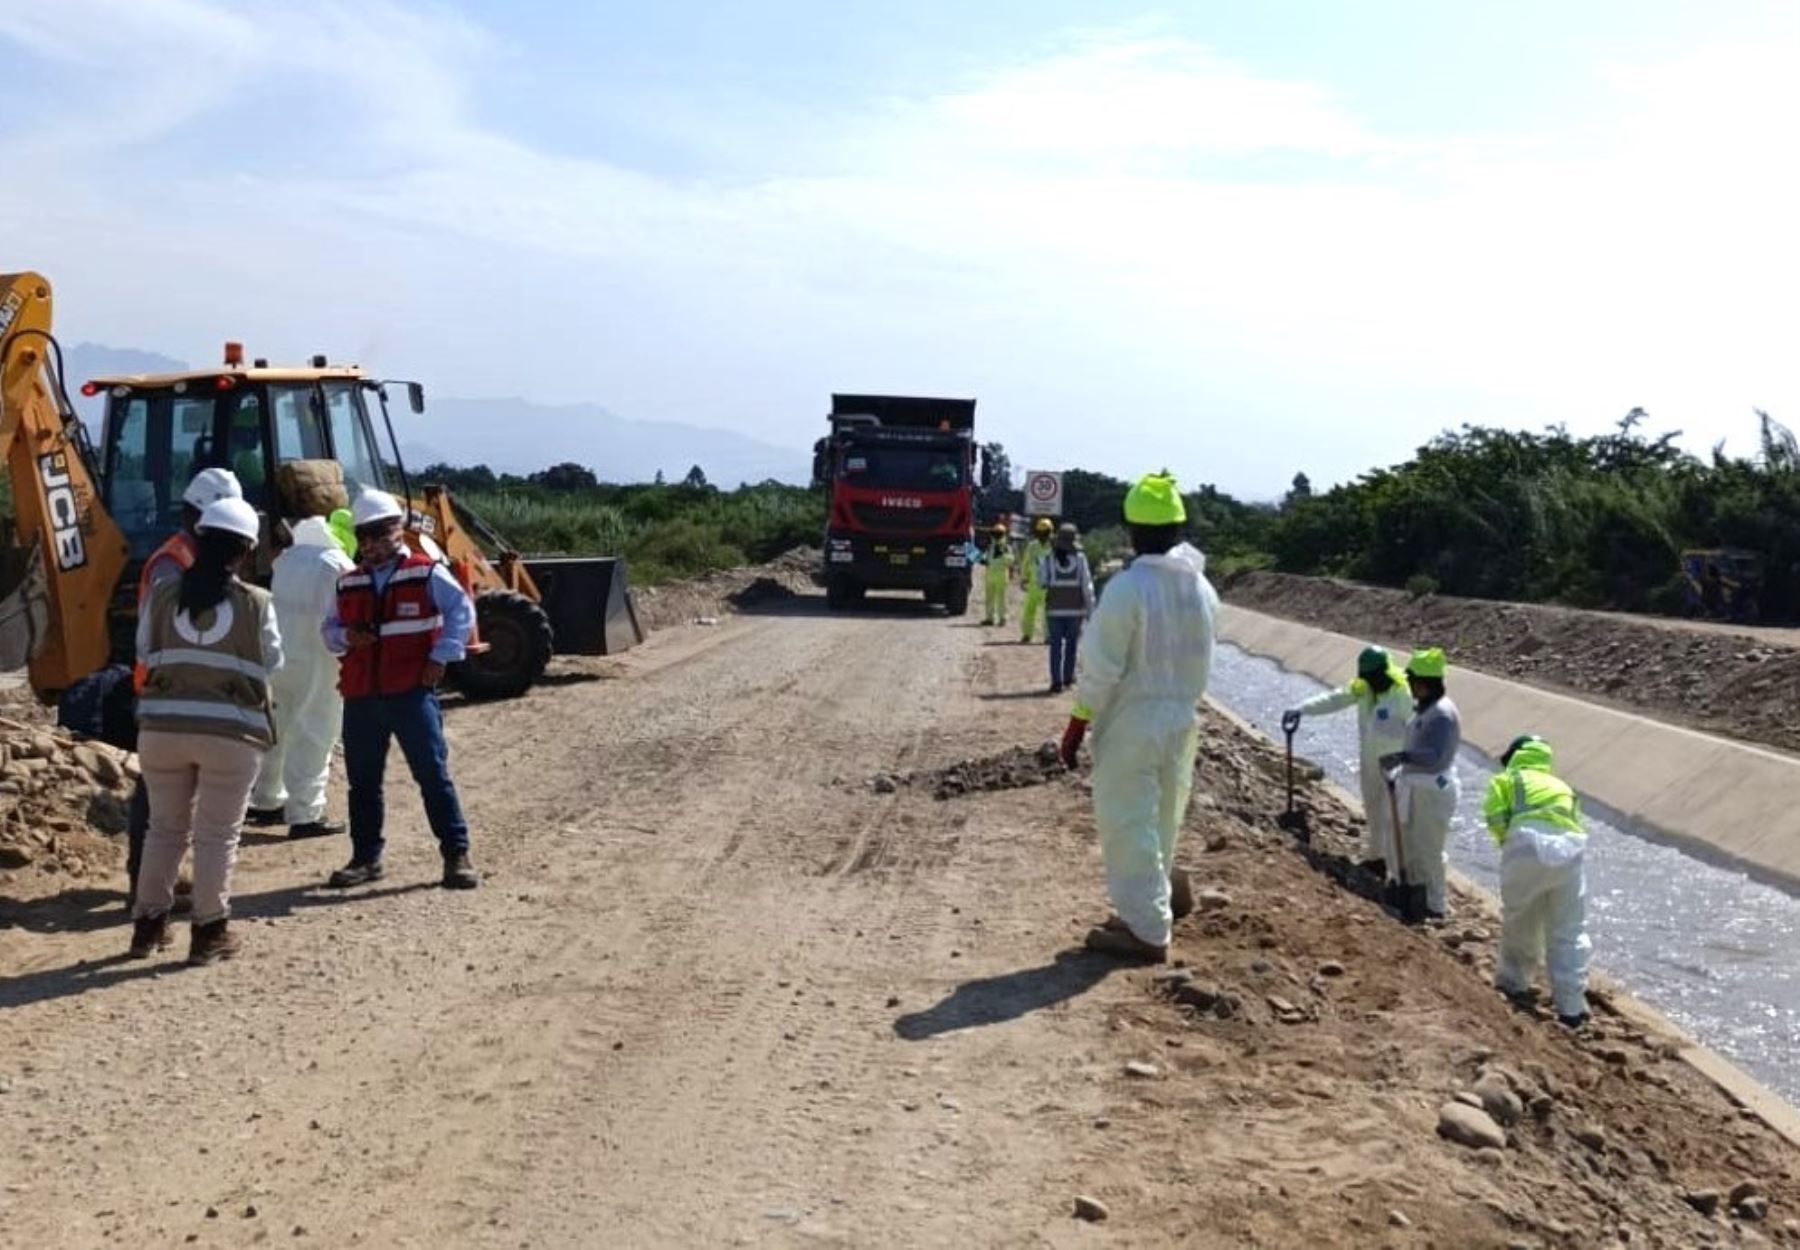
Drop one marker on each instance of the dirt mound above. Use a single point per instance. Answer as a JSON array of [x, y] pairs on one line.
[[1738, 685], [59, 799], [1376, 1083], [728, 590], [1013, 769]]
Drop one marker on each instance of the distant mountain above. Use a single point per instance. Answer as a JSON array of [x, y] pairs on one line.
[[517, 435], [93, 360]]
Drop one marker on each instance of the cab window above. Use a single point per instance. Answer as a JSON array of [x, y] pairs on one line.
[[156, 441], [299, 426], [350, 439], [245, 453]]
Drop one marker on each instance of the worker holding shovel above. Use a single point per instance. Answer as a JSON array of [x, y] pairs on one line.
[[1383, 703], [1425, 781]]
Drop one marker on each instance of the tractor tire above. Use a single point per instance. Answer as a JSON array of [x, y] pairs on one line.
[[956, 599], [519, 644]]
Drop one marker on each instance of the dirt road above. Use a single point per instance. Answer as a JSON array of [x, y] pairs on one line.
[[720, 989]]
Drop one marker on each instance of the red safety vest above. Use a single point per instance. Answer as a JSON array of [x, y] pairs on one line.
[[178, 547], [407, 625]]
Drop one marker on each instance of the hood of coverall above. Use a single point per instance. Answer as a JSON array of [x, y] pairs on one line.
[[314, 531], [1535, 754]]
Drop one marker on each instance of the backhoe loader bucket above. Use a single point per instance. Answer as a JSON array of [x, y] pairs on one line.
[[24, 607], [588, 600]]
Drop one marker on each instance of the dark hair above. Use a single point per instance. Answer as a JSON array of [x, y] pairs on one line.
[[216, 556], [1154, 540], [1432, 686]]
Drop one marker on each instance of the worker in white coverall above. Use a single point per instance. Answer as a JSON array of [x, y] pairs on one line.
[[1383, 703], [1145, 660], [309, 714], [1424, 772], [1535, 819]]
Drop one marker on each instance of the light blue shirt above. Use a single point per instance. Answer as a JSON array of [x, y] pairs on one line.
[[446, 596]]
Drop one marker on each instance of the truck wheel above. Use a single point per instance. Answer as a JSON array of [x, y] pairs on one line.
[[956, 598], [841, 592], [519, 644]]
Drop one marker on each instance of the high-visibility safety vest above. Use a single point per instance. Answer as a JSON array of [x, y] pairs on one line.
[[177, 548], [1029, 564], [406, 622], [205, 674], [1529, 794], [1065, 592]]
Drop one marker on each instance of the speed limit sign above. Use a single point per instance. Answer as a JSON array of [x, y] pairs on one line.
[[1043, 494]]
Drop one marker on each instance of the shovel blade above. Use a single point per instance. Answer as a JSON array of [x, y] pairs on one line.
[[1294, 821], [1407, 900]]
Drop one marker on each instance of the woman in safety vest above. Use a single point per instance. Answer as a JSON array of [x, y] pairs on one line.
[[208, 643]]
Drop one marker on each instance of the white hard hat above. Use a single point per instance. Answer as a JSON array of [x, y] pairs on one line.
[[233, 516], [209, 486], [372, 506]]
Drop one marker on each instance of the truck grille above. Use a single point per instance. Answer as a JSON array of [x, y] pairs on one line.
[[881, 520]]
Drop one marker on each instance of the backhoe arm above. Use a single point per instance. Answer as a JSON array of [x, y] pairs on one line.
[[68, 548]]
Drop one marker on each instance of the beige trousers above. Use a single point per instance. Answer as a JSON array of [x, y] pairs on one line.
[[199, 786]]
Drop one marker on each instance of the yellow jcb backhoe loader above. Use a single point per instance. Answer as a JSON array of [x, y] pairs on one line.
[[86, 518]]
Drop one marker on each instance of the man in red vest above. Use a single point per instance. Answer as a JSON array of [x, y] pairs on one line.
[[400, 619], [172, 559]]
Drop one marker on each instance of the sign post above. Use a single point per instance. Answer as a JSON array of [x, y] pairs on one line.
[[1043, 494]]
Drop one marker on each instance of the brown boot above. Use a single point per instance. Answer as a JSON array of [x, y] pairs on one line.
[[1181, 893], [1124, 944], [212, 942], [149, 935]]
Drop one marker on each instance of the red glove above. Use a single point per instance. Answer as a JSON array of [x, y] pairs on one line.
[[1071, 741]]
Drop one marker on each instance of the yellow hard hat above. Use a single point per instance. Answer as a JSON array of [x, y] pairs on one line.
[[1428, 662], [1042, 525], [1000, 528], [1155, 500]]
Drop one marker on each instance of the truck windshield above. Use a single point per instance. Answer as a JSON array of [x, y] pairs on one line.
[[920, 468]]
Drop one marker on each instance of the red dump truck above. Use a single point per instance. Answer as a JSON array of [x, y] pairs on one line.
[[900, 477]]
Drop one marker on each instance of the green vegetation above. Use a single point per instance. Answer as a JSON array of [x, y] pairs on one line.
[[1483, 512], [665, 532], [1592, 522]]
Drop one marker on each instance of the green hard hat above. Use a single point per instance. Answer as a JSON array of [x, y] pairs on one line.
[[1428, 662], [1372, 662]]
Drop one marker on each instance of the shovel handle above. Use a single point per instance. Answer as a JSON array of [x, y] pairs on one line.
[[1399, 839]]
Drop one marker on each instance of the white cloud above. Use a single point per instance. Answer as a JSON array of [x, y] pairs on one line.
[[1075, 237]]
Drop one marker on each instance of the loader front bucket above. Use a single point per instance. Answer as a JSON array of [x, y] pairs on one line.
[[588, 600], [24, 607]]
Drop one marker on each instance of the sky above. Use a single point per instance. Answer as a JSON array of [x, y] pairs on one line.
[[1238, 240]]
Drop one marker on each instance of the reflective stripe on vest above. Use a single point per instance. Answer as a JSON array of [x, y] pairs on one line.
[[202, 709], [207, 659], [1560, 810]]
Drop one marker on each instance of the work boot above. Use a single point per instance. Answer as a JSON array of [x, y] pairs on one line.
[[1181, 894], [149, 935], [458, 874], [212, 942], [264, 816], [356, 872], [1377, 866], [1122, 943], [316, 829], [1573, 1022]]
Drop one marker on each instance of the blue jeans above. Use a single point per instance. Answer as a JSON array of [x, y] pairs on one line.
[[417, 722], [1065, 634]]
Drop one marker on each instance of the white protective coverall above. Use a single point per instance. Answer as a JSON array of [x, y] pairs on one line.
[[1380, 729], [1429, 791], [1146, 657], [1536, 819], [309, 714]]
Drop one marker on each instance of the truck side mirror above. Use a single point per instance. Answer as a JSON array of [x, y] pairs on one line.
[[987, 471], [415, 396], [821, 473]]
